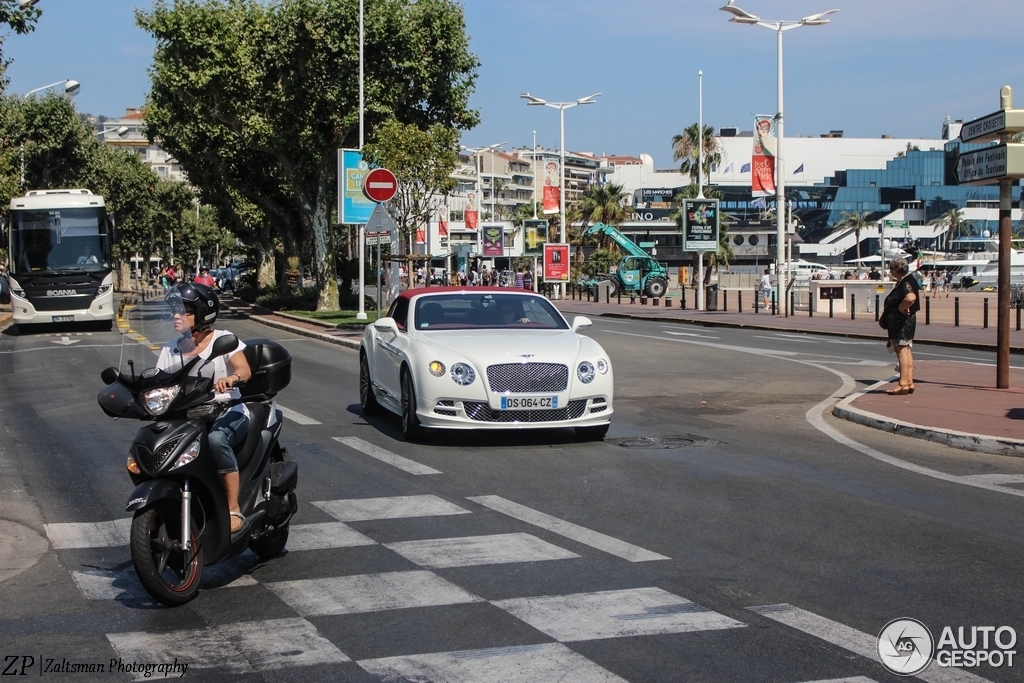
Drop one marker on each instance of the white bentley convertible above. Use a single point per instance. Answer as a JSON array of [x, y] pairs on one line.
[[484, 358]]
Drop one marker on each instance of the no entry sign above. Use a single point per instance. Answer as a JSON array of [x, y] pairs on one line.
[[380, 185]]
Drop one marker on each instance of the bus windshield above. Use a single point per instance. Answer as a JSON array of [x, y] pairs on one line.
[[59, 239]]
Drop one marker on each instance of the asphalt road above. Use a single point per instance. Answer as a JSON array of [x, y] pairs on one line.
[[665, 552]]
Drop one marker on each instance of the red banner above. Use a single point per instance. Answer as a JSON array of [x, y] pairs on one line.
[[421, 236], [550, 200], [556, 262], [472, 218], [442, 228], [762, 177]]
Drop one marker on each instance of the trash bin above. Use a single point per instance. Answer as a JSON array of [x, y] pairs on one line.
[[711, 297]]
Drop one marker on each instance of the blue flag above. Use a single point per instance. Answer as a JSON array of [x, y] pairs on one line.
[[799, 169], [745, 168]]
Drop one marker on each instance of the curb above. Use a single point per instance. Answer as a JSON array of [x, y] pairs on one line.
[[295, 329], [978, 443], [974, 346]]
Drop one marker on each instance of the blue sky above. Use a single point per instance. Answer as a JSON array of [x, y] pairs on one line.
[[893, 67]]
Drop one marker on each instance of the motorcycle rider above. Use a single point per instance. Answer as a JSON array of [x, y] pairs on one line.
[[194, 308]]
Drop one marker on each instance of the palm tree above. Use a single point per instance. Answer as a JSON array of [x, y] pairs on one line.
[[953, 221], [603, 204], [856, 221], [685, 148]]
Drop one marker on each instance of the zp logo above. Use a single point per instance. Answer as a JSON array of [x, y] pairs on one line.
[[905, 647]]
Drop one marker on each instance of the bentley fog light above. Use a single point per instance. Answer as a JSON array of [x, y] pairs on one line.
[[436, 368], [585, 371], [188, 456], [602, 366], [462, 374], [157, 401]]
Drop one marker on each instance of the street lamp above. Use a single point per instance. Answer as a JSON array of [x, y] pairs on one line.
[[120, 131], [740, 16], [561, 107], [71, 88]]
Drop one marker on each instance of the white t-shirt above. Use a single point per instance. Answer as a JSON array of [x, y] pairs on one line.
[[171, 360], [766, 281]]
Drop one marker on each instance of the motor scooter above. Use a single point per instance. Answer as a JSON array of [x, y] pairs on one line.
[[181, 520]]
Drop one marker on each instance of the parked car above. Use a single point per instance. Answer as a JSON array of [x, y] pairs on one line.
[[484, 358]]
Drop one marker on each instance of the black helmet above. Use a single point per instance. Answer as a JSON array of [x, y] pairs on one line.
[[196, 299]]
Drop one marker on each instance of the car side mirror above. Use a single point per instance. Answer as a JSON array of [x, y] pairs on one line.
[[386, 325], [110, 375], [224, 345], [580, 323]]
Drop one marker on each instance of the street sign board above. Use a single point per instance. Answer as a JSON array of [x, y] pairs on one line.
[[380, 185], [897, 225], [353, 207], [646, 245], [983, 166], [700, 225], [988, 128], [382, 224], [373, 238]]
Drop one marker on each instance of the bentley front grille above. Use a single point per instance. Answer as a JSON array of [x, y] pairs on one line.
[[528, 378], [482, 412]]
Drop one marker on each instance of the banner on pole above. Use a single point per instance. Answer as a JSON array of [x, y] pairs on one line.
[[472, 219], [551, 197], [762, 161], [493, 239], [556, 262], [535, 233], [700, 224], [353, 206]]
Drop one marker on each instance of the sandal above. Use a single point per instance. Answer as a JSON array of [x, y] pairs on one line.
[[241, 517], [901, 390]]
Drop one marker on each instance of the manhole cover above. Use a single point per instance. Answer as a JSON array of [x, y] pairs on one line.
[[667, 442]]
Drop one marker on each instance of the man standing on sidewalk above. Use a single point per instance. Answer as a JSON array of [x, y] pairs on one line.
[[766, 287]]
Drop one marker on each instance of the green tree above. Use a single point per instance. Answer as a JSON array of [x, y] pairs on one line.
[[954, 224], [423, 162], [856, 221], [261, 95], [686, 150], [604, 204]]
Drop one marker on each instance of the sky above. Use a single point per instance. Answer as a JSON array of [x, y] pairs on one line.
[[881, 67]]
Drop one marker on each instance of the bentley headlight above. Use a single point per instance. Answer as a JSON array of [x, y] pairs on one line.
[[157, 401], [585, 371], [188, 456], [463, 375], [602, 366], [436, 368]]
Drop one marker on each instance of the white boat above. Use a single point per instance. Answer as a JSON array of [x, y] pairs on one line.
[[974, 262]]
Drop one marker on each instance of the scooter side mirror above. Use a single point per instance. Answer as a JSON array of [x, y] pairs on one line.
[[224, 345], [110, 375]]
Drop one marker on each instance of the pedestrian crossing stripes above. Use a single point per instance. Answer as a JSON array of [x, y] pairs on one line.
[[477, 550], [385, 456], [393, 507]]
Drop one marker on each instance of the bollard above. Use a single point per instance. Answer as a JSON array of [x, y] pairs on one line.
[[739, 301], [725, 301], [773, 302], [668, 302], [1018, 316], [607, 295], [853, 306], [656, 302], [643, 300], [876, 308], [831, 303], [985, 323], [956, 311], [756, 301], [927, 310], [792, 303], [618, 295], [588, 294], [682, 300]]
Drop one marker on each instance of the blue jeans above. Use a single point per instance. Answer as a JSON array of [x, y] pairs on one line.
[[226, 434]]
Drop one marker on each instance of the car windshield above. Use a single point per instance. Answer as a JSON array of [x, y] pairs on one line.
[[472, 310]]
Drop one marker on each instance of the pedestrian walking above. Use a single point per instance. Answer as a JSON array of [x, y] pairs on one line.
[[520, 279], [528, 279], [766, 287], [899, 319]]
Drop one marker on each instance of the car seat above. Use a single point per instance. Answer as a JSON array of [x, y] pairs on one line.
[[430, 314]]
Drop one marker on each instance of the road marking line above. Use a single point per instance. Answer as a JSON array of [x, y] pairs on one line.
[[123, 584], [798, 341], [393, 507], [594, 539], [855, 679], [370, 593], [325, 535], [614, 614], [851, 639], [385, 456], [517, 664], [471, 551], [689, 334], [89, 534], [997, 478], [297, 417]]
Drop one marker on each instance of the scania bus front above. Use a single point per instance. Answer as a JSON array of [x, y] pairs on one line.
[[60, 260]]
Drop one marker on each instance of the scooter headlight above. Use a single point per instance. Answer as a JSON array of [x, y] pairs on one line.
[[156, 401], [585, 371], [463, 375], [190, 454]]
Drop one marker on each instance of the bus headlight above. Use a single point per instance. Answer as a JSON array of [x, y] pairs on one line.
[[103, 289], [156, 401]]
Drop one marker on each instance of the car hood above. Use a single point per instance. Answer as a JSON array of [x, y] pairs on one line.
[[487, 347]]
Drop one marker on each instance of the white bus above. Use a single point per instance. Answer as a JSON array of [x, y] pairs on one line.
[[59, 242]]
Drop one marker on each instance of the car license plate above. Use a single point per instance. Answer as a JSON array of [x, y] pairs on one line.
[[529, 402], [63, 319]]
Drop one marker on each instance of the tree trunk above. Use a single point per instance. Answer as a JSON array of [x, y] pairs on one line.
[[266, 276], [323, 250]]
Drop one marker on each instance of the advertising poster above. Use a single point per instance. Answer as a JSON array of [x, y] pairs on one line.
[[700, 224], [472, 219], [493, 239], [353, 206], [556, 262], [535, 234], [550, 199], [762, 161]]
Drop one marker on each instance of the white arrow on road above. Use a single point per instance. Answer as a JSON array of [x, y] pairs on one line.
[[65, 341]]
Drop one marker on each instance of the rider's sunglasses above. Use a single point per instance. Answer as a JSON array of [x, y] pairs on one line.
[[178, 309]]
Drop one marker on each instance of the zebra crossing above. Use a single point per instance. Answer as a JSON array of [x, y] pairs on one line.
[[312, 638]]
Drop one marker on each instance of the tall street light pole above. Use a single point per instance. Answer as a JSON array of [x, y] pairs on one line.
[[561, 107], [71, 88], [740, 16], [361, 313], [478, 166]]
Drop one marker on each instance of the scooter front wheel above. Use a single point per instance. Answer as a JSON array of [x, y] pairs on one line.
[[167, 573]]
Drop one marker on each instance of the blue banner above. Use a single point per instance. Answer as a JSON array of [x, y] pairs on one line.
[[353, 206]]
